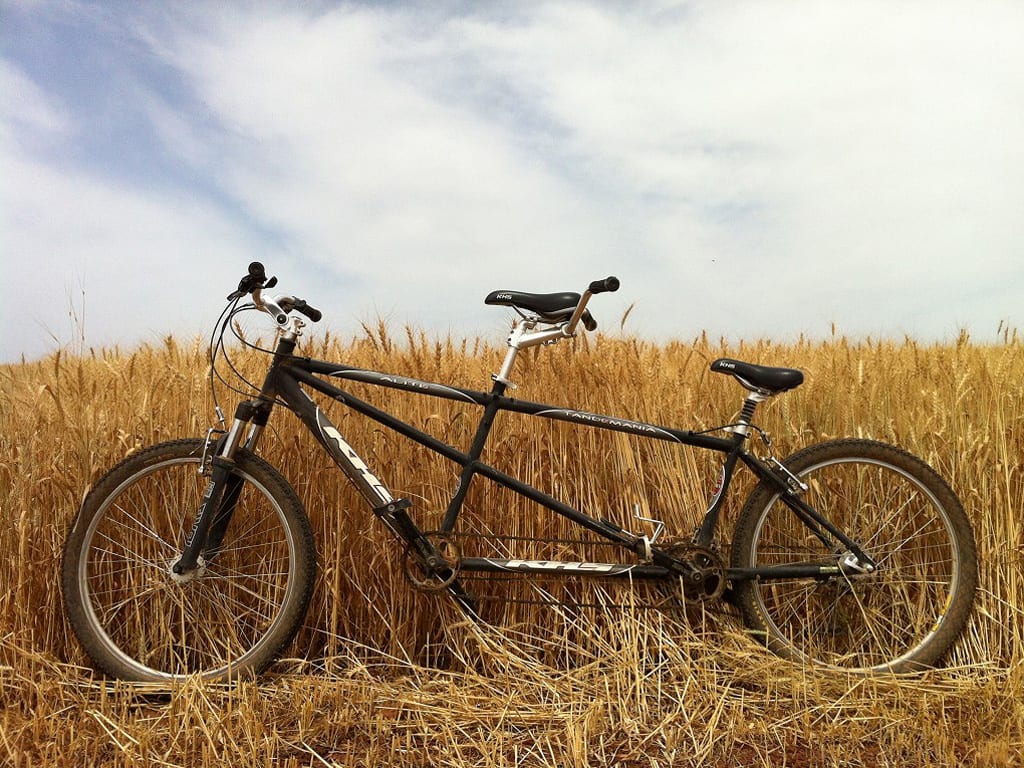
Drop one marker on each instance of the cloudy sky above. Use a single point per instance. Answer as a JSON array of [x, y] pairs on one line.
[[756, 169]]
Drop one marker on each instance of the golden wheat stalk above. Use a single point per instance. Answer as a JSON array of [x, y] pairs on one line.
[[389, 676]]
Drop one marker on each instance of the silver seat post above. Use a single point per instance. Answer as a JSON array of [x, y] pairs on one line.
[[514, 336], [750, 404], [523, 336]]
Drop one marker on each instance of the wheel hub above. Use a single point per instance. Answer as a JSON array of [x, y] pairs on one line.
[[186, 576]]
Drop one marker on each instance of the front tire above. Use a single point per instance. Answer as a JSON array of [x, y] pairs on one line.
[[902, 617], [228, 619]]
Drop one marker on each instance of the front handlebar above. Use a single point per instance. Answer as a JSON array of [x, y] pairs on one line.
[[279, 307], [256, 281], [301, 306]]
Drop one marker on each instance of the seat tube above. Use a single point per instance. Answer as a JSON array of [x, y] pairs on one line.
[[520, 329], [483, 430], [706, 532]]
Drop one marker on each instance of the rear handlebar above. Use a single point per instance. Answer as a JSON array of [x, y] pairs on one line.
[[609, 284]]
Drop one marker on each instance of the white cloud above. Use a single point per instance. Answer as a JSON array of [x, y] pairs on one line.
[[842, 150], [370, 172], [26, 106], [754, 168], [88, 263]]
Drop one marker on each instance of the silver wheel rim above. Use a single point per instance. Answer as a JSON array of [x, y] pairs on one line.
[[239, 610], [856, 593]]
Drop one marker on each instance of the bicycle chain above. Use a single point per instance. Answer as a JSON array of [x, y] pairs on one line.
[[707, 559]]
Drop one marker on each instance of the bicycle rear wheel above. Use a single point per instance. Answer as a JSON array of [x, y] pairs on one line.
[[231, 617], [902, 617]]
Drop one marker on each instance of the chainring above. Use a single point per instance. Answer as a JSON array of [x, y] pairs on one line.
[[712, 579], [426, 579]]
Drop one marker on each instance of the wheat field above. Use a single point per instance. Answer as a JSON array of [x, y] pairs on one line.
[[383, 675]]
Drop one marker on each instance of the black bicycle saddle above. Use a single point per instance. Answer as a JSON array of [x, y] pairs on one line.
[[773, 380]]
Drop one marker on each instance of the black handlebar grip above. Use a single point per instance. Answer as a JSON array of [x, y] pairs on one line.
[[312, 313], [609, 284]]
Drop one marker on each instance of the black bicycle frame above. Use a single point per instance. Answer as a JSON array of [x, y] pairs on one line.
[[288, 373]]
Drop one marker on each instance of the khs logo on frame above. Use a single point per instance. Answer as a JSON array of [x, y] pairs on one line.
[[356, 462]]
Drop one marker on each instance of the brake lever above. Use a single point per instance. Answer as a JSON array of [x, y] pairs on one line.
[[250, 283]]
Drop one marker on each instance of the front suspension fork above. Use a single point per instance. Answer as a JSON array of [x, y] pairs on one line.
[[220, 497]]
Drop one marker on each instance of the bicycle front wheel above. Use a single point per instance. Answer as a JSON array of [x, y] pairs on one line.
[[137, 620], [903, 616]]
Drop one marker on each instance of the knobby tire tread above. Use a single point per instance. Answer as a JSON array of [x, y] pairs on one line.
[[952, 620], [291, 614]]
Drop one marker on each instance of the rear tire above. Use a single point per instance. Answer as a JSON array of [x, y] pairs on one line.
[[232, 617], [905, 615]]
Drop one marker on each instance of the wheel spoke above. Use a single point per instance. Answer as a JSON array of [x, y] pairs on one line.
[[150, 624], [139, 526], [910, 523]]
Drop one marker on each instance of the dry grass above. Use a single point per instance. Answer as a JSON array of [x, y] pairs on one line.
[[383, 675]]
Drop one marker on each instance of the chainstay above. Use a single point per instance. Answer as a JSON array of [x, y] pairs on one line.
[[718, 608], [664, 604]]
